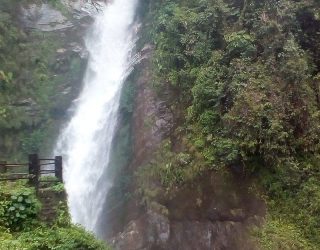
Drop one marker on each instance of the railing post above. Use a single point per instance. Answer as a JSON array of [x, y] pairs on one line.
[[58, 168], [3, 167], [34, 169]]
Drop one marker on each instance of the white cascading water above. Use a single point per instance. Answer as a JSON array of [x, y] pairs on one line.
[[86, 141]]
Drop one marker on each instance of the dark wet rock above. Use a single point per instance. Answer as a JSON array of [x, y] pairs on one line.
[[152, 118], [158, 229], [147, 232], [146, 137], [133, 238], [163, 120], [236, 215], [190, 235], [157, 232]]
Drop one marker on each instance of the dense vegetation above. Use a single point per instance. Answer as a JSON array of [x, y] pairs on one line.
[[21, 227], [245, 81]]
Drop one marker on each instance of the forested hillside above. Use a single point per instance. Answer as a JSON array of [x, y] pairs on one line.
[[222, 111], [242, 79]]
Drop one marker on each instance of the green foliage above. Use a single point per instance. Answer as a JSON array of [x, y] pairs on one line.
[[240, 44], [63, 216], [58, 4], [32, 142], [60, 238], [180, 35], [20, 228], [7, 241], [55, 238], [170, 171], [18, 207], [166, 173], [5, 79], [279, 234], [24, 80], [294, 195], [51, 182], [251, 96], [59, 187], [244, 84]]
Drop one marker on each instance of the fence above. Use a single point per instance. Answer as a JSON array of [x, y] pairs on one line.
[[34, 169]]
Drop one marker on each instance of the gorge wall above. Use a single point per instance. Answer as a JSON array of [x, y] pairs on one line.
[[44, 56], [209, 169], [215, 213]]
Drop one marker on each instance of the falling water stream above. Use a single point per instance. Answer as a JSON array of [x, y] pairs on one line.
[[86, 141]]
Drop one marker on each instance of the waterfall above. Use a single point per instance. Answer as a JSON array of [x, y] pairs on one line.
[[85, 143]]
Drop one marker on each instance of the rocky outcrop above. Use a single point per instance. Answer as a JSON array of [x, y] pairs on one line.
[[152, 119], [29, 106], [220, 217], [155, 231], [146, 232], [218, 214], [191, 235], [53, 40], [43, 17], [67, 22]]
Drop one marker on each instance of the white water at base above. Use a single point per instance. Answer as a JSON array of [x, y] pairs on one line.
[[85, 143]]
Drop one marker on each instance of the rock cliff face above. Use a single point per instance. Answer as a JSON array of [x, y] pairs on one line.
[[54, 37], [68, 23], [220, 216], [43, 17]]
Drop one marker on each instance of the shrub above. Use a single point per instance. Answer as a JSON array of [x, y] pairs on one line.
[[279, 234], [18, 207], [60, 238], [240, 44]]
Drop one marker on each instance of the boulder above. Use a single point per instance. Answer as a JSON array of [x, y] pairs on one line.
[[147, 232]]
